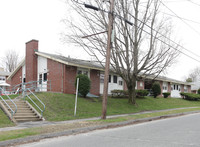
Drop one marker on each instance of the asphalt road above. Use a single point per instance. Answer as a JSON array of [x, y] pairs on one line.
[[181, 131]]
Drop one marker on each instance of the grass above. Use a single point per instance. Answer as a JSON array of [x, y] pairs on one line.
[[60, 107], [4, 120], [11, 96], [14, 134]]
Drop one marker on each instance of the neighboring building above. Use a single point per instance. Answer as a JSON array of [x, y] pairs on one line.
[[61, 73], [3, 83]]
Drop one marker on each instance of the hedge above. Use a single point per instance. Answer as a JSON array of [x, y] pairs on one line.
[[124, 93], [166, 94], [190, 96]]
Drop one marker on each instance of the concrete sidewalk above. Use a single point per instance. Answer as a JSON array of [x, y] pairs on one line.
[[47, 123]]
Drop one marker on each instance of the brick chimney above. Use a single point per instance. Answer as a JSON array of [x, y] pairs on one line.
[[31, 60]]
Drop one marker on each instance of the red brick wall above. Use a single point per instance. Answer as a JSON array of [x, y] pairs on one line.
[[95, 82], [182, 88], [71, 72], [55, 75], [31, 60], [16, 78]]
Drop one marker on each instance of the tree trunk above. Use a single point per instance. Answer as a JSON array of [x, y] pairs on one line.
[[132, 93]]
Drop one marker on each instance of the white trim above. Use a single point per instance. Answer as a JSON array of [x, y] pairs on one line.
[[67, 63]]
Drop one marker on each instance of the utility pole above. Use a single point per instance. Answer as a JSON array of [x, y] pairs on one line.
[[107, 66]]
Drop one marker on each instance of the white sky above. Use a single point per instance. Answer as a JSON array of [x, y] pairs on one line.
[[23, 20]]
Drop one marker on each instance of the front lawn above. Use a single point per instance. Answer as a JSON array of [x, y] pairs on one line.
[[4, 120], [61, 106]]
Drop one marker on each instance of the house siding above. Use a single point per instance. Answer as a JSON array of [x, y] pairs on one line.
[[95, 80], [31, 60], [55, 75], [16, 79], [71, 72]]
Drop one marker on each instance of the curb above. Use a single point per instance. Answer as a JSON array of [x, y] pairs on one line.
[[88, 129]]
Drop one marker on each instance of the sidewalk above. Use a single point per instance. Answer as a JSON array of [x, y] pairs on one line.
[[45, 123]]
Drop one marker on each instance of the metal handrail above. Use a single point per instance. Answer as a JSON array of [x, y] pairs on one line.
[[13, 112], [34, 102]]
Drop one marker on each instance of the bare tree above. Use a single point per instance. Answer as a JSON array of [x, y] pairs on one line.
[[138, 50], [10, 60], [194, 75]]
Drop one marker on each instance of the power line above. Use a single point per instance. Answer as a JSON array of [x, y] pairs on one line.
[[193, 3], [180, 18], [186, 19], [95, 8]]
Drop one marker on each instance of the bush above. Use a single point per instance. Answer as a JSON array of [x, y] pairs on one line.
[[198, 91], [166, 94], [190, 96], [141, 93], [156, 89], [124, 93], [119, 93], [84, 85]]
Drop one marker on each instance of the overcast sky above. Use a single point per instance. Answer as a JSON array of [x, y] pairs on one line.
[[23, 20]]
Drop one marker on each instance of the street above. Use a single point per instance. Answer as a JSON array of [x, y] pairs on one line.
[[181, 131]]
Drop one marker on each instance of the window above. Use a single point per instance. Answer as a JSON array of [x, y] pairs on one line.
[[101, 78], [45, 77], [114, 79], [141, 84], [24, 80], [83, 71], [79, 72], [120, 82], [40, 78], [109, 78]]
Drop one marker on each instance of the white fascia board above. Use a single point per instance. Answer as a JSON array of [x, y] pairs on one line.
[[67, 63], [16, 69]]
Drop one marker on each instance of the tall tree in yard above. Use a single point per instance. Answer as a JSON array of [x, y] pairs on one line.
[[138, 50], [10, 60]]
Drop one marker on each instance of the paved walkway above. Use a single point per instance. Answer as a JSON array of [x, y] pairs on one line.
[[45, 123]]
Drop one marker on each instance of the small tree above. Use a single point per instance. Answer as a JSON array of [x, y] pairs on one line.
[[156, 89], [198, 91], [84, 84]]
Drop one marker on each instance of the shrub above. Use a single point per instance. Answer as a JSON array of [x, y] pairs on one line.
[[119, 93], [84, 84], [141, 93], [156, 89], [198, 91], [166, 94], [190, 96], [124, 93]]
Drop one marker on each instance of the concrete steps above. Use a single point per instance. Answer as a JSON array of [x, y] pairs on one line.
[[24, 112]]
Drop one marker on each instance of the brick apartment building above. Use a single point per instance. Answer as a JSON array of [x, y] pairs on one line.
[[61, 73]]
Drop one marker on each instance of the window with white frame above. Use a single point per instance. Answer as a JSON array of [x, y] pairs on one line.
[[83, 71], [185, 89], [2, 78], [101, 78], [114, 79], [120, 82]]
